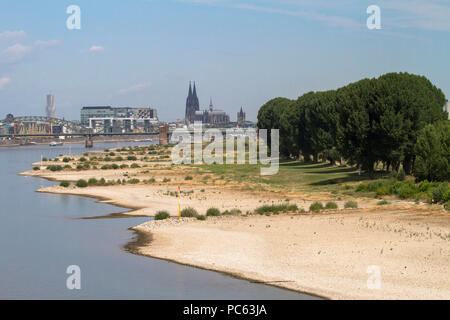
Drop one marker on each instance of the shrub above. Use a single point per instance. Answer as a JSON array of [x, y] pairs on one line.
[[188, 178], [131, 158], [383, 202], [213, 212], [65, 184], [316, 207], [65, 159], [447, 206], [81, 183], [54, 168], [361, 188], [115, 166], [133, 181], [44, 159], [107, 159], [118, 159], [67, 167], [351, 204], [189, 212], [382, 191], [82, 159], [200, 217], [134, 166], [162, 215], [424, 186], [36, 168], [407, 191], [276, 209], [331, 205], [166, 180], [401, 175], [92, 181], [439, 193]]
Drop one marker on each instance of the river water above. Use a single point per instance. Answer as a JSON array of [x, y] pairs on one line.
[[42, 234]]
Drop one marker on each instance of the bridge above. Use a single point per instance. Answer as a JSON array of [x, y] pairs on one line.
[[39, 126]]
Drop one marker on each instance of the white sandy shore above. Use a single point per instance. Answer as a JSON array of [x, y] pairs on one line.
[[324, 254]]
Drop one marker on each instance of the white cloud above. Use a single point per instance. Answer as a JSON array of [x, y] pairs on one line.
[[4, 81], [12, 35], [96, 49], [46, 44], [135, 88], [422, 14], [14, 54]]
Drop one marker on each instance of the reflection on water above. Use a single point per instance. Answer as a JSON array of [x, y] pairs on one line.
[[42, 234]]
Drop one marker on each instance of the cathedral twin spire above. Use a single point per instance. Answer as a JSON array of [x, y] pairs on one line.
[[192, 103]]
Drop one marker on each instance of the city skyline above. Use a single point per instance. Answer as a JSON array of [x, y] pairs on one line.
[[226, 46]]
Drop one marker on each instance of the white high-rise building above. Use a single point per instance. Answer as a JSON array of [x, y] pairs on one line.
[[50, 110]]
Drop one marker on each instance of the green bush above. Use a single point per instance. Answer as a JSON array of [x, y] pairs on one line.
[[188, 178], [213, 212], [134, 166], [439, 193], [131, 158], [407, 191], [133, 181], [401, 175], [351, 204], [232, 212], [201, 217], [316, 207], [382, 191], [276, 209], [114, 166], [82, 159], [447, 206], [81, 183], [65, 159], [106, 167], [92, 181], [36, 168], [54, 168], [123, 166], [331, 205], [162, 215], [361, 188], [189, 212], [166, 180], [383, 202], [65, 184]]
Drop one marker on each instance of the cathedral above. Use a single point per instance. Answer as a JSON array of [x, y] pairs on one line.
[[211, 116], [192, 105]]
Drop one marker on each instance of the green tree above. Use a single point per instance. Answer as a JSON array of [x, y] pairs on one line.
[[433, 153]]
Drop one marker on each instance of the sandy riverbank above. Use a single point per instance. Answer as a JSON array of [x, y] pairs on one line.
[[326, 254]]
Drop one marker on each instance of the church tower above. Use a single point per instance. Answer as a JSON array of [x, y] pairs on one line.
[[192, 104]]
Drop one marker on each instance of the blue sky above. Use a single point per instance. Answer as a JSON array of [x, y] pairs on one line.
[[239, 52]]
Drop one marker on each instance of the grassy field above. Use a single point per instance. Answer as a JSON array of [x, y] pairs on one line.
[[292, 176]]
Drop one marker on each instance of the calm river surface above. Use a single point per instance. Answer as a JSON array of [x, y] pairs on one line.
[[41, 235]]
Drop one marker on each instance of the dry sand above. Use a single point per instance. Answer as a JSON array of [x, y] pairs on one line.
[[323, 254]]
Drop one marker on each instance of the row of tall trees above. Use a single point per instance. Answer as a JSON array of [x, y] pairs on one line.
[[369, 121]]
